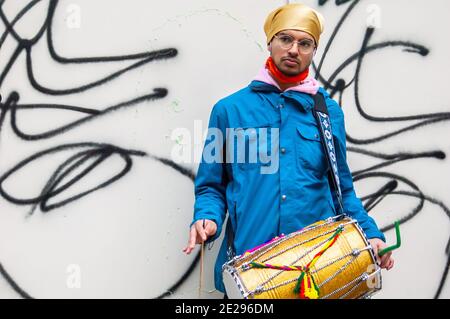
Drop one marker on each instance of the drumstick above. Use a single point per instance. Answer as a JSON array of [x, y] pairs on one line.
[[397, 245], [202, 248]]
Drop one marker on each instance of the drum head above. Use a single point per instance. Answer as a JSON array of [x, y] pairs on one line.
[[231, 285]]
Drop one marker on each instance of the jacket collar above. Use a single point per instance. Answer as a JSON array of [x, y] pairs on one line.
[[305, 101]]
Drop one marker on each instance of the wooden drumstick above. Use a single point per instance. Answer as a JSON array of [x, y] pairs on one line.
[[202, 249]]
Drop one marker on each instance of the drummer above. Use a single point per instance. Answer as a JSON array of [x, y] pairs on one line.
[[274, 179]]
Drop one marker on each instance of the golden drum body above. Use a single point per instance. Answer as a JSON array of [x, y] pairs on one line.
[[345, 269]]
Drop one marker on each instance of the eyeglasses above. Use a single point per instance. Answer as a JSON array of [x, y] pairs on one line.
[[286, 42]]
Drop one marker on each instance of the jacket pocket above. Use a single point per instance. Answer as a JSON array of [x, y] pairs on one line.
[[253, 146], [310, 152]]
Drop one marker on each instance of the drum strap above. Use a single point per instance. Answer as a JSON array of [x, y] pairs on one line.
[[326, 136], [231, 252]]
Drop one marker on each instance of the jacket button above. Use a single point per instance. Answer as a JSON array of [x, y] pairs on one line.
[[283, 197], [283, 150]]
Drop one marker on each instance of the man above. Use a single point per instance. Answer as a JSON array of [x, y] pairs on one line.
[[263, 203]]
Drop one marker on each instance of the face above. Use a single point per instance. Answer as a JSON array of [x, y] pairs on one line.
[[291, 61]]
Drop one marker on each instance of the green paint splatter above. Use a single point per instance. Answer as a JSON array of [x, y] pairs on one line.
[[176, 107], [179, 139]]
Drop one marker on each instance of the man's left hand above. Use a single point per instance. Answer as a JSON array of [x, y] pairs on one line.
[[386, 261]]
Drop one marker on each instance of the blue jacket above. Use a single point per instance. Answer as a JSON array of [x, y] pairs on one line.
[[262, 206]]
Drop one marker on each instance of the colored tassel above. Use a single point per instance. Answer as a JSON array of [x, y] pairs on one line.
[[306, 286], [309, 289]]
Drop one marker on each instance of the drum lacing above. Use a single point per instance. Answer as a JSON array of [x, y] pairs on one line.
[[261, 251], [306, 285], [355, 253], [359, 280], [245, 266]]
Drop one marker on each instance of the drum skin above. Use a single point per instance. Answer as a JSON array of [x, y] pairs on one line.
[[339, 272]]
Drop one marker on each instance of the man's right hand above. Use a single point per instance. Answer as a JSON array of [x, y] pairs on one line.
[[201, 230]]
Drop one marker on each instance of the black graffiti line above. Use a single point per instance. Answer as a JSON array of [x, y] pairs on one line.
[[65, 60], [417, 48], [436, 117], [21, 42], [128, 164], [374, 199], [394, 133], [102, 148], [11, 104], [428, 199], [397, 158], [10, 29], [46, 192], [157, 55], [395, 177], [369, 33], [447, 212], [190, 174], [180, 169], [27, 8], [64, 107], [338, 2], [444, 278], [27, 46], [13, 284], [9, 65], [437, 154], [182, 279], [333, 35]]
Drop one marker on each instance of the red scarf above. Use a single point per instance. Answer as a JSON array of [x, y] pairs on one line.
[[280, 77]]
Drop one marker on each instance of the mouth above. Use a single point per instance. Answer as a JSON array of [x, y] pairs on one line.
[[290, 62]]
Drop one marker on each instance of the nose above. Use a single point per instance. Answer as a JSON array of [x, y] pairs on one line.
[[293, 51]]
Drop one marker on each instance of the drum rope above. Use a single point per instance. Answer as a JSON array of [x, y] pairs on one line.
[[355, 255], [358, 280], [283, 239], [331, 262], [260, 288], [306, 286]]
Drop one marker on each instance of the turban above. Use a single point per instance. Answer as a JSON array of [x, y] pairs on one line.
[[294, 16]]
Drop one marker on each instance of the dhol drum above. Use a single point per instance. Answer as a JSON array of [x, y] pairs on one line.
[[329, 259]]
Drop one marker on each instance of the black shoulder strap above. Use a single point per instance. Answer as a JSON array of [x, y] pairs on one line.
[[326, 137]]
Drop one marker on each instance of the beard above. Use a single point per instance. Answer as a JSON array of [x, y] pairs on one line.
[[290, 68]]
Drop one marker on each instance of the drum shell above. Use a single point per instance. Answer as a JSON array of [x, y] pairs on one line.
[[333, 272]]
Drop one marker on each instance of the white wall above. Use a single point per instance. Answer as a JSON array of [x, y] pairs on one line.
[[124, 240]]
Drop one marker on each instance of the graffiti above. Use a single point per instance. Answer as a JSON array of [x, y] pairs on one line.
[[85, 156], [337, 86]]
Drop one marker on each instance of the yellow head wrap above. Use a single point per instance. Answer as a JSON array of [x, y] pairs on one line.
[[295, 16]]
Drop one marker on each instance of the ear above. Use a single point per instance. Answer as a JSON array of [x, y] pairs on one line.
[[269, 47]]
